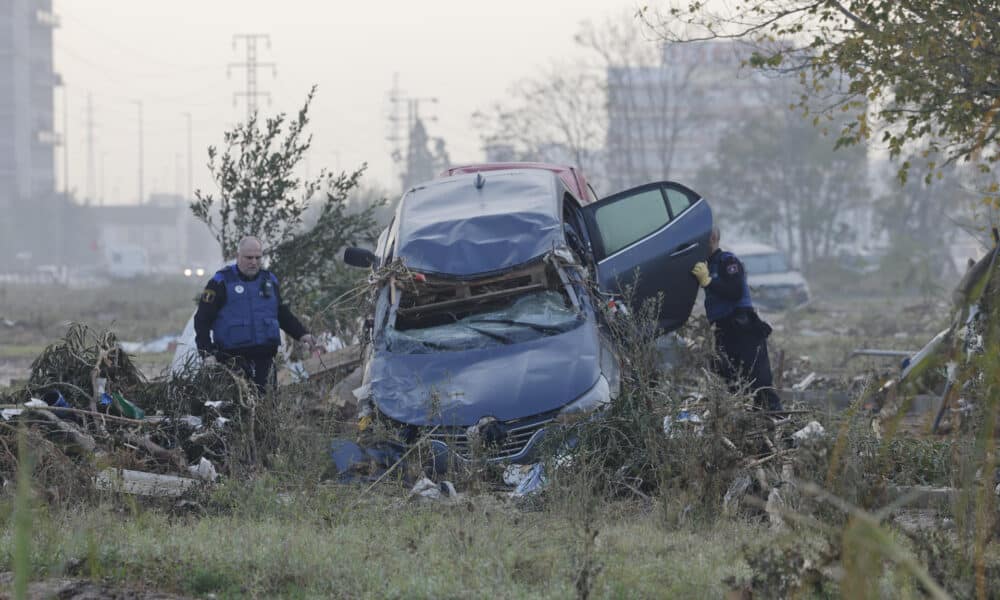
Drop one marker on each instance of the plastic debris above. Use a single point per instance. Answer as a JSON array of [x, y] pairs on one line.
[[811, 430], [10, 413], [682, 418], [161, 344], [425, 489], [127, 408], [532, 482], [204, 470], [192, 421]]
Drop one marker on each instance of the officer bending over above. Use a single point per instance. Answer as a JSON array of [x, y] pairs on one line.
[[740, 335], [241, 308]]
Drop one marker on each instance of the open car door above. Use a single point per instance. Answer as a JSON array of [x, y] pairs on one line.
[[650, 237]]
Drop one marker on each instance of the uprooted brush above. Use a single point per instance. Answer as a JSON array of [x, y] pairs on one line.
[[75, 411]]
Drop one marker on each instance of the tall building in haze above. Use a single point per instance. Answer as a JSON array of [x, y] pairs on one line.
[[27, 132]]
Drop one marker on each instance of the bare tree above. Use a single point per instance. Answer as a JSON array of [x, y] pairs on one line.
[[557, 116], [648, 111], [620, 113], [780, 178]]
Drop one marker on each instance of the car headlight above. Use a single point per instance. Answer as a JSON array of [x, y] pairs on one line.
[[187, 272], [199, 272], [596, 398]]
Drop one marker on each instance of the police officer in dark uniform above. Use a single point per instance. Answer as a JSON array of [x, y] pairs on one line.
[[240, 313], [740, 335]]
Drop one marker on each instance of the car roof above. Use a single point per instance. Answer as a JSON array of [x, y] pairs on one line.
[[453, 226], [750, 248], [570, 175]]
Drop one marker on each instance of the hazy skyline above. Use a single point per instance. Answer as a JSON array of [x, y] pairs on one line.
[[173, 56]]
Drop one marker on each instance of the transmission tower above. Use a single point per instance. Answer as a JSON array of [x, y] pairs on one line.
[[401, 127], [251, 64]]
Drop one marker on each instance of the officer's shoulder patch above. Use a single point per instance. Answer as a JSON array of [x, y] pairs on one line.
[[208, 296], [733, 268]]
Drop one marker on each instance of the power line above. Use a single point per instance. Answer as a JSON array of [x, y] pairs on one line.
[[251, 64], [132, 51]]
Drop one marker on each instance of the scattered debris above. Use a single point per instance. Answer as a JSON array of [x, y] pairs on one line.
[[166, 343], [426, 490], [526, 479], [805, 383], [329, 365], [141, 483], [812, 430], [85, 404]]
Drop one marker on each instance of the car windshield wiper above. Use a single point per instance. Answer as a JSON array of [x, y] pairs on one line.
[[490, 334], [546, 329]]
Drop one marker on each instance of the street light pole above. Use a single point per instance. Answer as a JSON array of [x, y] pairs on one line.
[[190, 170], [138, 103]]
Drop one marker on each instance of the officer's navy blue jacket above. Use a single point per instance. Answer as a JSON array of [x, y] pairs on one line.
[[243, 314], [728, 289]]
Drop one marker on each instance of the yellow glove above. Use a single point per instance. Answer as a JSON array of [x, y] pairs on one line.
[[700, 272]]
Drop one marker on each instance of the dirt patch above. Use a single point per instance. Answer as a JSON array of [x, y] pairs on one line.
[[80, 589]]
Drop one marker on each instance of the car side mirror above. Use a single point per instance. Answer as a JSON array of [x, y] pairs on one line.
[[359, 257]]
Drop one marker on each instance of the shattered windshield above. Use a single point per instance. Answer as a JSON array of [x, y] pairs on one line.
[[761, 264], [527, 317]]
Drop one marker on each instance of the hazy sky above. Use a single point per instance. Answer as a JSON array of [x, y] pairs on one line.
[[172, 55]]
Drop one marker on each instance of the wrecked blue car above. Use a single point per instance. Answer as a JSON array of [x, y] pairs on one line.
[[485, 333]]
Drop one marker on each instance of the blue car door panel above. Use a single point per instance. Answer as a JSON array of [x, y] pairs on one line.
[[646, 240]]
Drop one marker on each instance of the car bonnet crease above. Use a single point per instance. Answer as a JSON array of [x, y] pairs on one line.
[[455, 228], [506, 382]]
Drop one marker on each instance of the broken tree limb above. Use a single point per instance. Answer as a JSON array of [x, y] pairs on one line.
[[346, 358], [143, 484], [172, 456], [805, 383], [760, 461], [80, 411], [82, 440]]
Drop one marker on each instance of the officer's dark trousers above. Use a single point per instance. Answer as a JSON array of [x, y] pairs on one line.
[[256, 367], [742, 358]]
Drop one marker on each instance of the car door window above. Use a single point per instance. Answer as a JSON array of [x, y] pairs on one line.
[[678, 201], [631, 218]]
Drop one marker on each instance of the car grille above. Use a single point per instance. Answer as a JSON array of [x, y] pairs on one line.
[[514, 443]]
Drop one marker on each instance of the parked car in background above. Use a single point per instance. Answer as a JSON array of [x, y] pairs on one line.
[[492, 333], [775, 285]]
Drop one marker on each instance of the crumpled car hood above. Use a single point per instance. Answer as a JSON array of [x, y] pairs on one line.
[[452, 227], [507, 382]]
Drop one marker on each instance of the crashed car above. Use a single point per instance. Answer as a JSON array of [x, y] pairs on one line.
[[775, 285], [490, 335]]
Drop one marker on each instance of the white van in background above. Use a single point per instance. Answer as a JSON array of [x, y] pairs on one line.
[[773, 284], [126, 261]]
